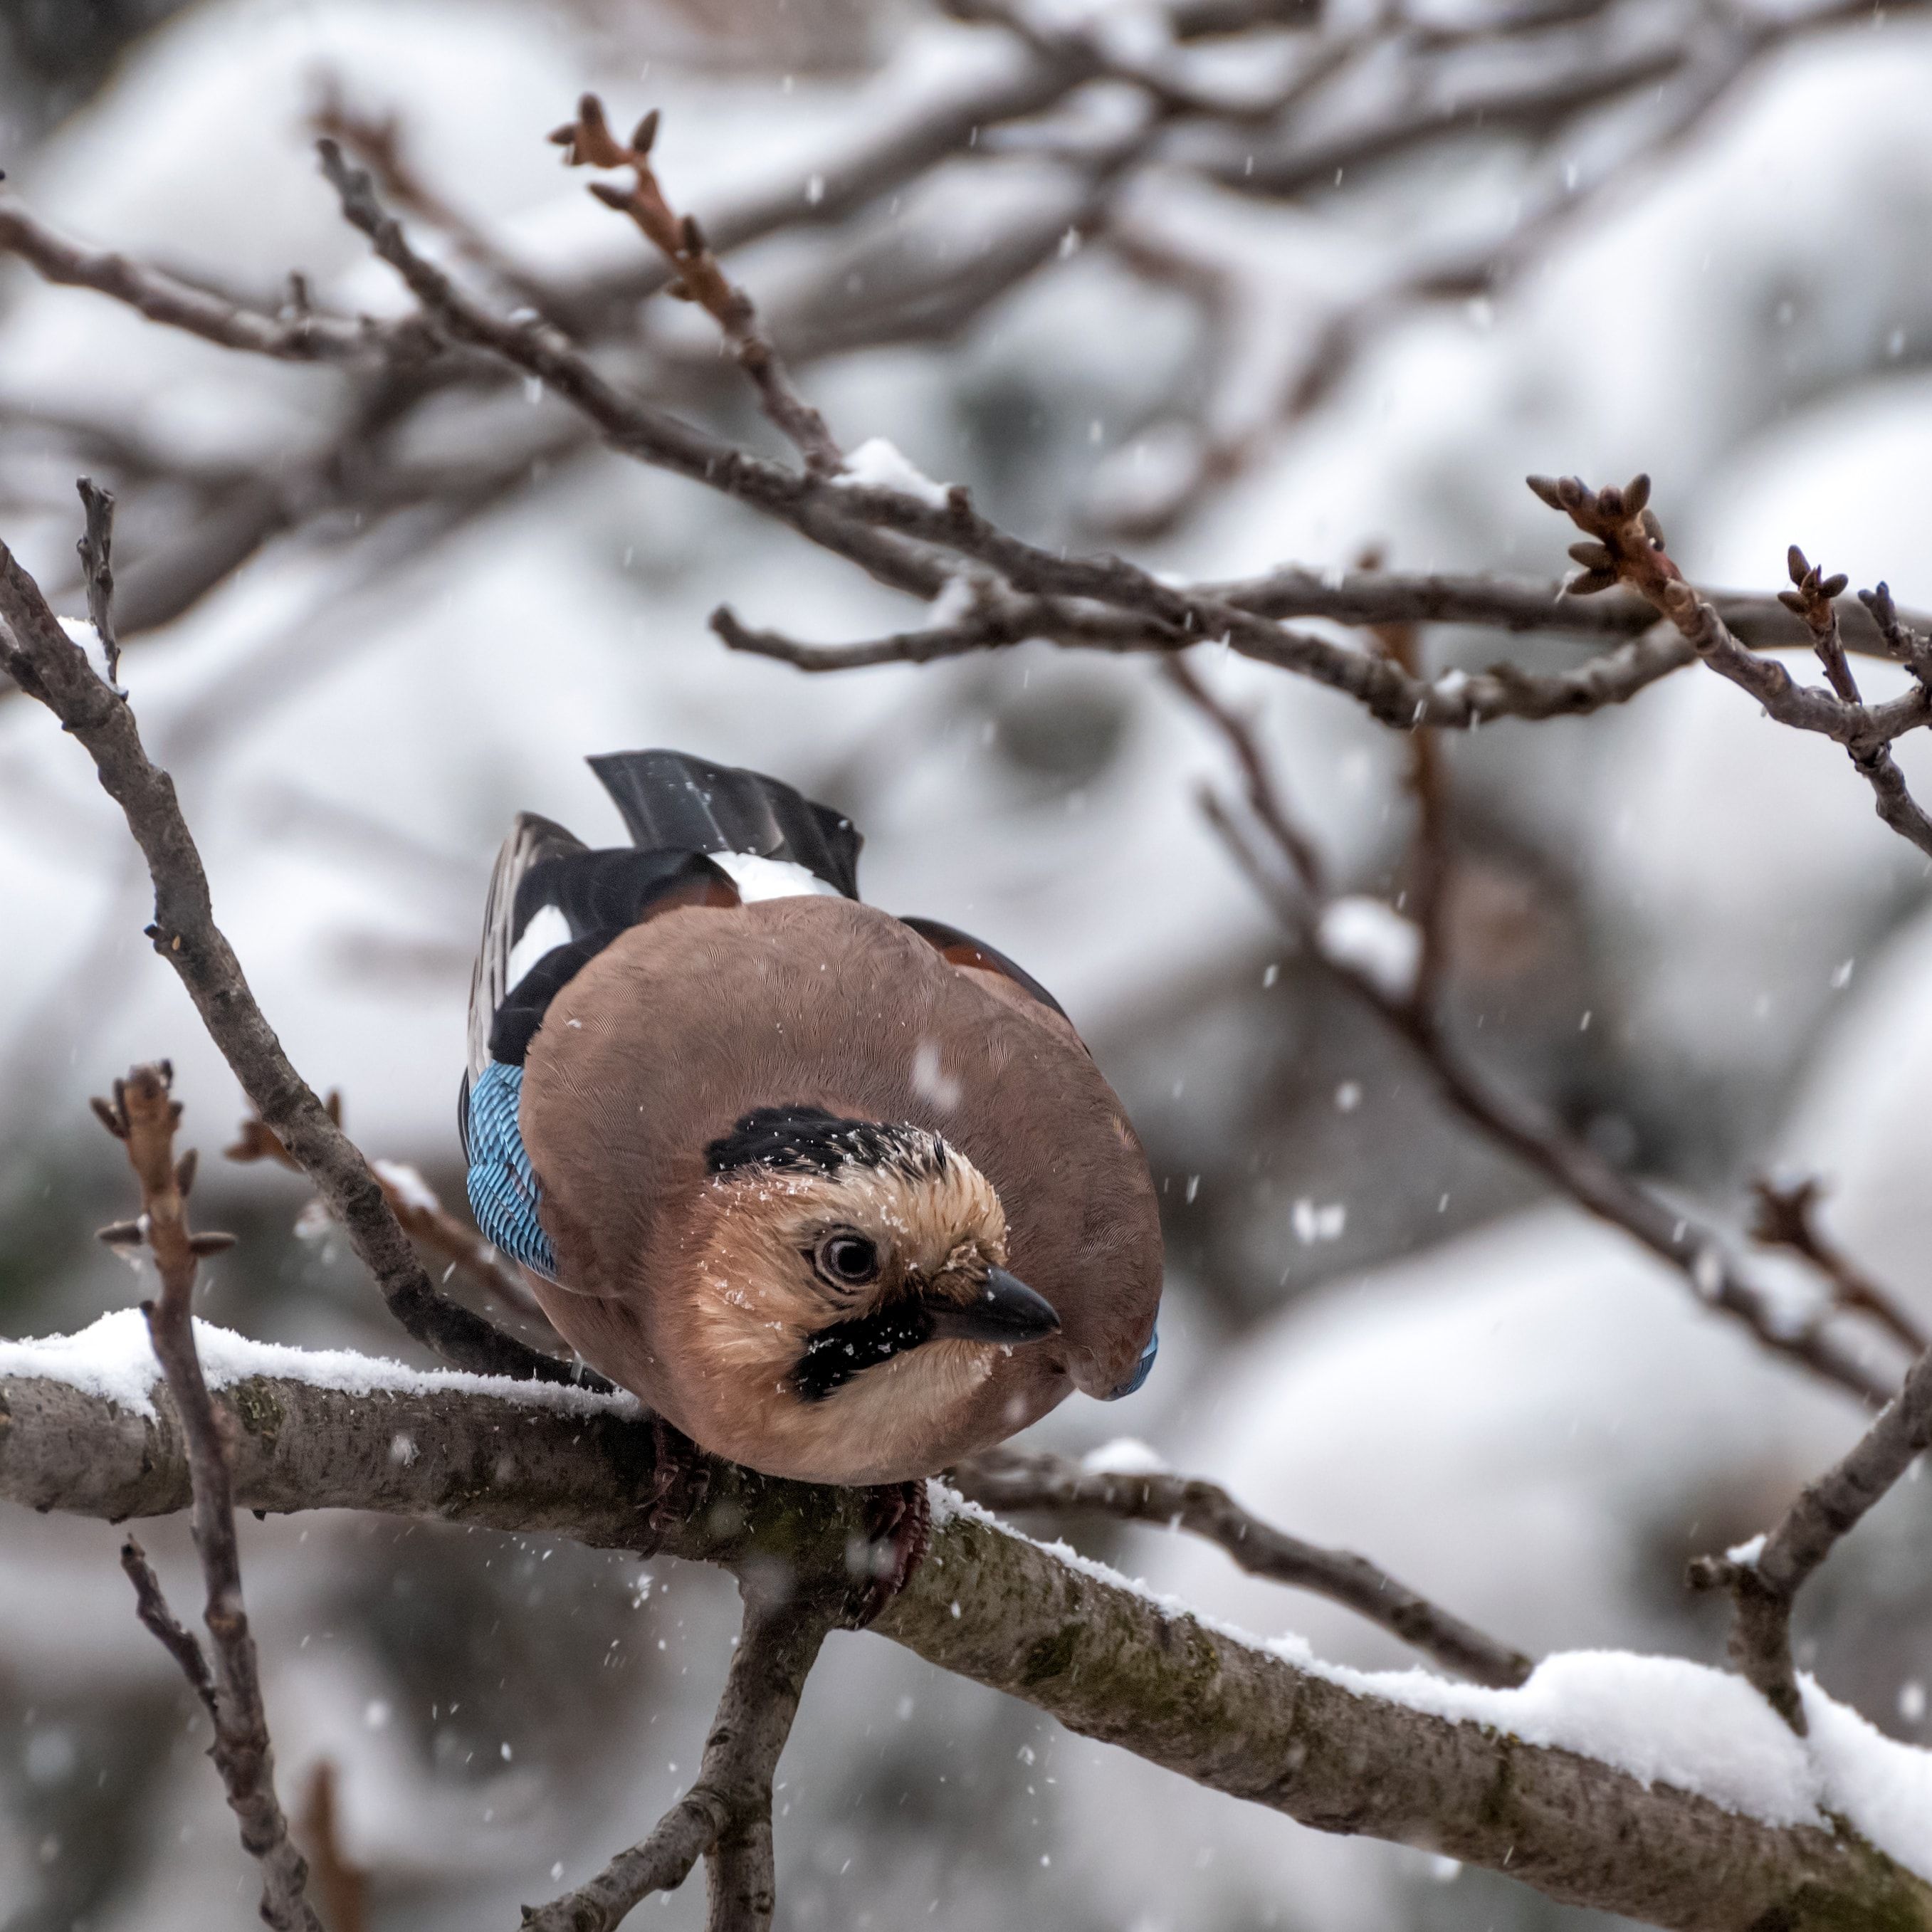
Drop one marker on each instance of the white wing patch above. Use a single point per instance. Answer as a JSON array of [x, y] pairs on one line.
[[547, 930], [759, 878]]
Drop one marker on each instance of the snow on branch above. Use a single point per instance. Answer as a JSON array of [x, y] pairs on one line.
[[1650, 1786]]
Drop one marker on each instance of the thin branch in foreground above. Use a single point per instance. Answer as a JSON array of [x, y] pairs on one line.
[[49, 666], [588, 141], [1764, 1581], [1019, 1479], [1535, 1135], [142, 1116], [725, 1818]]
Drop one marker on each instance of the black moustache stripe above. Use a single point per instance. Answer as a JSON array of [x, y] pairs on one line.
[[835, 1355]]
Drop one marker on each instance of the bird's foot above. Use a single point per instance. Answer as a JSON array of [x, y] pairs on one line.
[[680, 1478], [898, 1527]]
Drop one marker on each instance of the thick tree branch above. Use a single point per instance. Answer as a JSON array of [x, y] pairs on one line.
[[1018, 1479], [1107, 1661], [142, 1117], [50, 668]]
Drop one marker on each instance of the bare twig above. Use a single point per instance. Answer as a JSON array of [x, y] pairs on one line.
[[725, 1818], [142, 1116], [378, 139], [96, 551], [588, 140], [1764, 1581], [1625, 545], [298, 335], [50, 668], [1530, 1132], [1018, 1479], [1787, 1218]]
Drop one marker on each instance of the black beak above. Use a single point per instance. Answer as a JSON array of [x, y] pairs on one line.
[[1004, 1310]]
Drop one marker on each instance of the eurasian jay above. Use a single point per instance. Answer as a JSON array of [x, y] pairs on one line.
[[841, 1196]]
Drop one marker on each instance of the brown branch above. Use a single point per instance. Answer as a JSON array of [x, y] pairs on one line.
[[1625, 545], [1105, 1660], [142, 1116], [588, 141], [1425, 900], [1536, 1137], [1019, 1479], [725, 1818], [1787, 1218], [96, 551], [1764, 1583], [378, 138], [1905, 642], [824, 513], [424, 1219], [298, 335], [50, 668]]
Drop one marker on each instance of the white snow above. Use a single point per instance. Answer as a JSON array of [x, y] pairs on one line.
[[409, 1186], [757, 877], [877, 464], [1362, 935], [113, 1359], [80, 631], [1663, 1719], [1125, 1455]]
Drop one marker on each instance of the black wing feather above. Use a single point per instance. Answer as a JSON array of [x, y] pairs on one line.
[[672, 801]]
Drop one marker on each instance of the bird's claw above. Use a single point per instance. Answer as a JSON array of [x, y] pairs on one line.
[[898, 1528]]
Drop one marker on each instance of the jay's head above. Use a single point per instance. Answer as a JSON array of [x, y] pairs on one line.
[[850, 1283]]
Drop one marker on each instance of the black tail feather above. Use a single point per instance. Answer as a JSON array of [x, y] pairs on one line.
[[672, 801]]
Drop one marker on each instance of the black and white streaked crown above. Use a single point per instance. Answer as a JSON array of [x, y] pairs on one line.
[[809, 1140]]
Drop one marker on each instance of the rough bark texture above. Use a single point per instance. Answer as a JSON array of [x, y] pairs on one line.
[[990, 1606]]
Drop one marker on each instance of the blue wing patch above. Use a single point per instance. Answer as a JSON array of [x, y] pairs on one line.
[[1141, 1368], [503, 1190]]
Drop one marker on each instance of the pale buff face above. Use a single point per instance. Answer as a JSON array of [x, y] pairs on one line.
[[767, 1245]]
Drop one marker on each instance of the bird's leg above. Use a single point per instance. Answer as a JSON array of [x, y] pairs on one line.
[[679, 1477], [898, 1527]]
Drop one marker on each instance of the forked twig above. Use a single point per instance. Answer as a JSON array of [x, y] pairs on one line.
[[142, 1116], [49, 666], [1019, 1479], [697, 277], [725, 1818]]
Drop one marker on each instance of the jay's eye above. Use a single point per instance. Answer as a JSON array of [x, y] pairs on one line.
[[848, 1260]]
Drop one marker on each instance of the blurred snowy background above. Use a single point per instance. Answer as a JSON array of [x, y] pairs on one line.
[[370, 623]]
